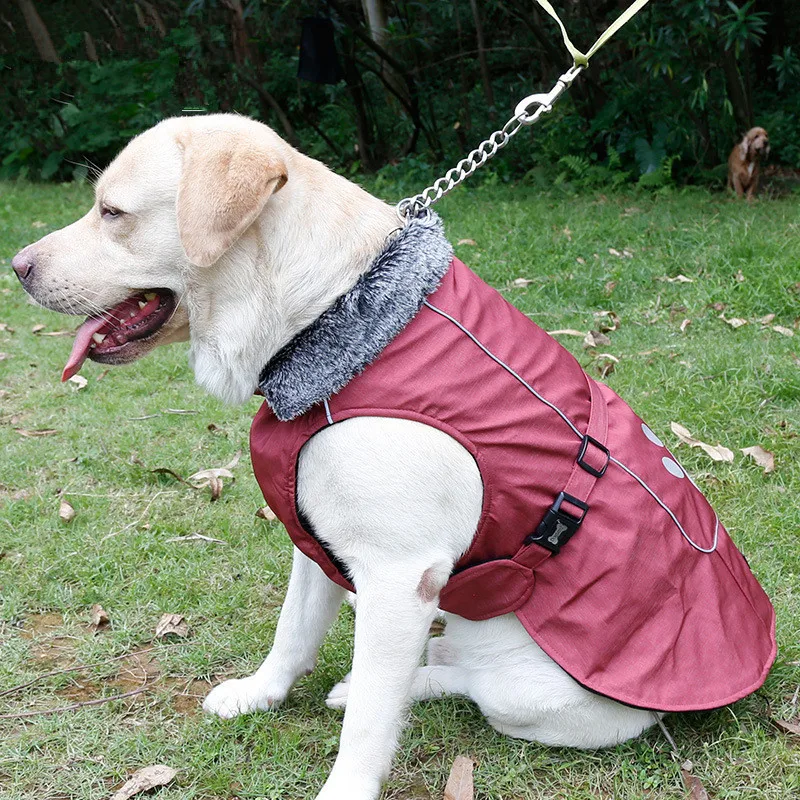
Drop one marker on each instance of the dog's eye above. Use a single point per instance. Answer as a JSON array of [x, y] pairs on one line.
[[109, 212]]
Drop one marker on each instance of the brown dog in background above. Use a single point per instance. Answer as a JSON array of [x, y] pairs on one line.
[[744, 160]]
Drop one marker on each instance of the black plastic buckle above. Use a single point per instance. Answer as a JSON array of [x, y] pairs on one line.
[[558, 527], [587, 440]]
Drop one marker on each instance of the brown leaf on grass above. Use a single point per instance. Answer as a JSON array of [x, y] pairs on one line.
[[740, 278], [213, 477], [37, 328], [166, 471], [521, 282], [767, 319], [605, 364], [734, 322], [609, 287], [38, 224], [567, 332], [718, 306], [470, 242], [266, 513], [595, 338], [37, 433], [692, 783], [78, 381], [180, 411], [606, 321], [679, 279], [568, 233], [459, 783], [581, 260], [788, 726], [172, 625], [145, 779], [717, 453], [5, 328], [66, 512], [783, 331], [685, 324], [100, 618], [761, 456]]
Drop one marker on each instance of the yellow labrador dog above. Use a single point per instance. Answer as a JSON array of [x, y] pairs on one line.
[[213, 229]]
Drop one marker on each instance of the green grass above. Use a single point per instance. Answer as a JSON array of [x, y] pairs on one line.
[[738, 387]]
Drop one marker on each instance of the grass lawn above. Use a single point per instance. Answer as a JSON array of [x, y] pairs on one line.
[[738, 386]]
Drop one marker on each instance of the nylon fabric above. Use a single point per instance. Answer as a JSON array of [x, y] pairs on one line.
[[628, 607]]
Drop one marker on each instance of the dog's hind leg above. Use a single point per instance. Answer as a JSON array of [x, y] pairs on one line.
[[311, 604]]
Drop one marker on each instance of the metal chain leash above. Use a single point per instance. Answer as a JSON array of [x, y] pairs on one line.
[[527, 112]]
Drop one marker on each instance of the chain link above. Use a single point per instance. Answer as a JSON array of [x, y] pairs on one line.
[[527, 112]]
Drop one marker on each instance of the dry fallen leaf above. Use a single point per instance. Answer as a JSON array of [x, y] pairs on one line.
[[692, 783], [783, 331], [718, 453], [679, 279], [37, 328], [4, 328], [521, 282], [581, 260], [595, 338], [180, 411], [66, 512], [470, 242], [788, 727], [740, 277], [568, 233], [78, 381], [607, 321], [605, 364], [266, 513], [459, 783], [767, 319], [761, 456], [734, 322], [100, 618], [145, 779], [609, 287], [172, 625], [38, 224], [36, 433], [567, 332], [685, 324]]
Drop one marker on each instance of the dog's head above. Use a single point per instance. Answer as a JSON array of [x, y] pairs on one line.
[[755, 144], [170, 206]]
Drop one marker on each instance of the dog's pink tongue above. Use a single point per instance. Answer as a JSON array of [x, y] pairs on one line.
[[80, 347]]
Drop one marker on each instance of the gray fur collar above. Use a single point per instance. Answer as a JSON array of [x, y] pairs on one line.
[[324, 357]]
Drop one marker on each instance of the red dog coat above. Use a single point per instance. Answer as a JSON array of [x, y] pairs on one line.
[[590, 531]]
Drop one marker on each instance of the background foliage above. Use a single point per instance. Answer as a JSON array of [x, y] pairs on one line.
[[423, 82]]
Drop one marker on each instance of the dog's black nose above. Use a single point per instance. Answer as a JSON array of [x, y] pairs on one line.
[[22, 264]]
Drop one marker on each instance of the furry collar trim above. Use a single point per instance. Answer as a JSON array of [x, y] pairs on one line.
[[353, 332]]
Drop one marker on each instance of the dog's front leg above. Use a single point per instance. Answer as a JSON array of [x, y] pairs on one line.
[[396, 604], [311, 604]]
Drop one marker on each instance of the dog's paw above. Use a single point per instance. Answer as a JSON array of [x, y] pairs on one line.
[[337, 697], [240, 696]]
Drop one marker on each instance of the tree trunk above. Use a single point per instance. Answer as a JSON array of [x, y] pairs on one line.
[[363, 128], [737, 93], [487, 83], [378, 22], [39, 32]]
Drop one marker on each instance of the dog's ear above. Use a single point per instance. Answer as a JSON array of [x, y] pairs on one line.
[[226, 181], [744, 147]]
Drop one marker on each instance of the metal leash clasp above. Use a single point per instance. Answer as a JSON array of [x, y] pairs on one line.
[[542, 103]]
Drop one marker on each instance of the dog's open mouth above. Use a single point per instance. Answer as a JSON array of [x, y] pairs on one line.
[[116, 337]]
